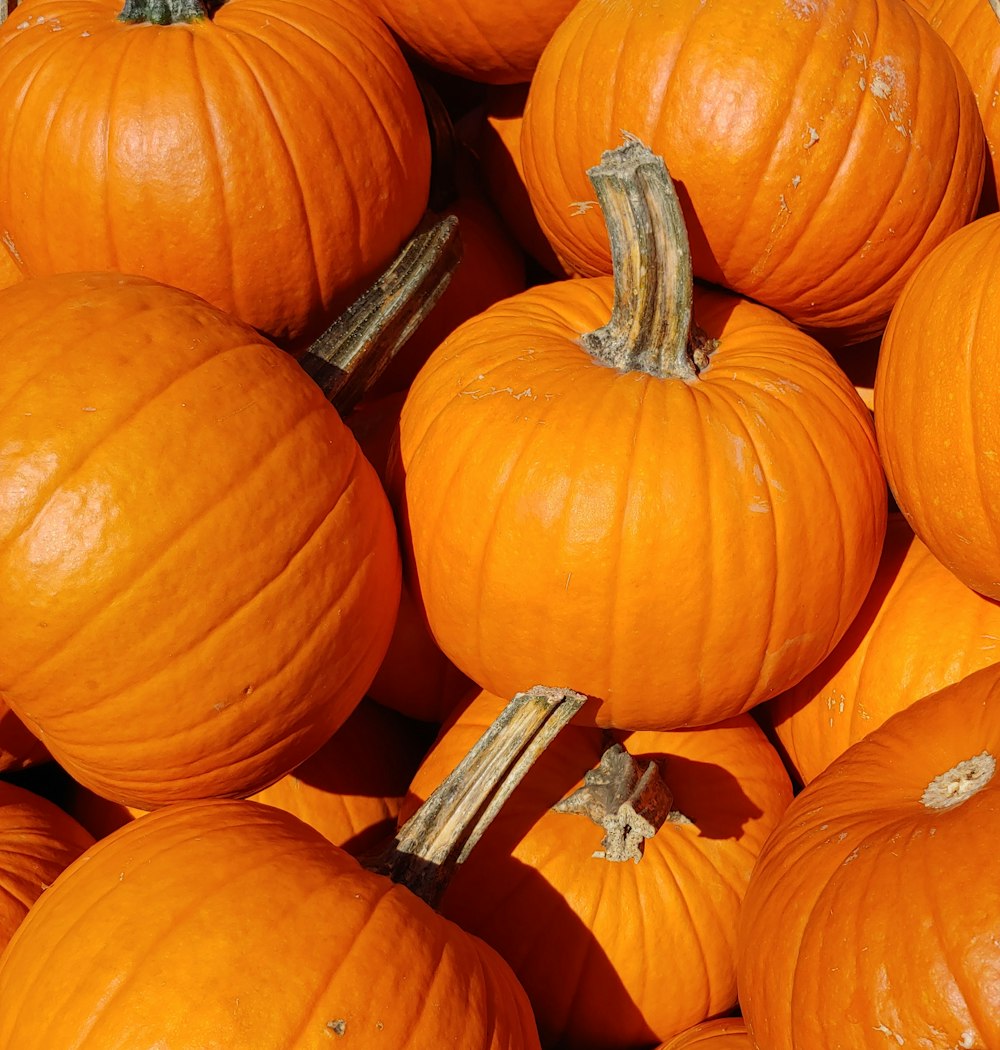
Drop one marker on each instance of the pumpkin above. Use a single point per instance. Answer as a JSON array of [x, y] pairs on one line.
[[870, 918], [919, 629], [821, 149], [37, 841], [350, 790], [629, 512], [231, 924], [724, 1033], [935, 403], [492, 41], [268, 155], [200, 568], [596, 937]]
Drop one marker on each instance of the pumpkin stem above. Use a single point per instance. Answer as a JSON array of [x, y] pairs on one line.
[[629, 802], [959, 783], [650, 328], [167, 12], [995, 4], [441, 834], [353, 352]]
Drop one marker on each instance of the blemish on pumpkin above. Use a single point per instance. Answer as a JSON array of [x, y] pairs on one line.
[[581, 207], [336, 1027], [961, 782], [813, 137], [11, 247], [889, 1032]]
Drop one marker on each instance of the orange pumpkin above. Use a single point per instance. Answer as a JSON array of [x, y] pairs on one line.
[[870, 918], [496, 41], [725, 1033], [37, 841], [936, 404], [632, 513], [269, 155], [230, 924], [19, 747], [200, 568], [919, 629], [821, 149], [596, 938]]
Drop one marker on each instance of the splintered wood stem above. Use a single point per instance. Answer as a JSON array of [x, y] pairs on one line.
[[442, 833], [353, 352]]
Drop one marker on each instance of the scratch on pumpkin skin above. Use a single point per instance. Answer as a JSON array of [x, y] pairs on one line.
[[581, 207]]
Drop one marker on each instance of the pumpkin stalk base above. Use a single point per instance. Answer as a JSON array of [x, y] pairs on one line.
[[629, 802], [960, 783], [441, 834], [166, 12]]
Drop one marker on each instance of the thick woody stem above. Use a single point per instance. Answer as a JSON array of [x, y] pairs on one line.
[[441, 834], [167, 12], [353, 352], [630, 802], [650, 329]]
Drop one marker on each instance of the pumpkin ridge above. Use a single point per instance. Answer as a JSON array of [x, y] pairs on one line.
[[133, 412], [973, 434], [190, 522], [232, 41]]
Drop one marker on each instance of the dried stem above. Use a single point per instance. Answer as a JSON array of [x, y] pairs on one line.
[[441, 834]]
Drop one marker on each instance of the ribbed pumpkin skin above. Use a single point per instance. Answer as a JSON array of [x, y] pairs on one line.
[[495, 41], [970, 30], [936, 404], [643, 541], [870, 919], [595, 943], [919, 630], [232, 926], [200, 568], [37, 840], [726, 1033], [820, 149], [270, 159]]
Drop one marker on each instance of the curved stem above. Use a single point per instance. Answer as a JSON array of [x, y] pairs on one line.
[[352, 353], [650, 326], [442, 833], [167, 12], [629, 802]]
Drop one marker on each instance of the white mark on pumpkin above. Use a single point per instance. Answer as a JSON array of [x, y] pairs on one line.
[[760, 506], [803, 9], [11, 247], [336, 1027], [813, 137], [968, 1040], [581, 207], [885, 1030], [477, 395], [862, 83], [853, 855], [796, 179], [22, 25], [569, 576], [84, 34]]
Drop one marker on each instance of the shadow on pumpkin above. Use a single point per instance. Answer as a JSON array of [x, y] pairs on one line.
[[534, 891]]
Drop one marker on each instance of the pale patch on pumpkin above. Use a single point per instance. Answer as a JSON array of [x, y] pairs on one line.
[[886, 1030], [804, 9]]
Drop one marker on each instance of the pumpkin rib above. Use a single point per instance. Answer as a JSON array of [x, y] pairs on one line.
[[975, 436], [191, 522], [232, 40]]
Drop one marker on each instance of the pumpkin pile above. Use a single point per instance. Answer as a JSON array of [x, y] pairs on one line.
[[498, 532]]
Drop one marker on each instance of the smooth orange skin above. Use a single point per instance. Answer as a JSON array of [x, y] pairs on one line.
[[596, 943], [820, 149], [919, 630], [270, 159], [491, 41], [870, 919], [229, 925], [37, 841], [936, 404], [677, 550], [350, 791], [200, 568], [970, 30], [724, 1033]]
